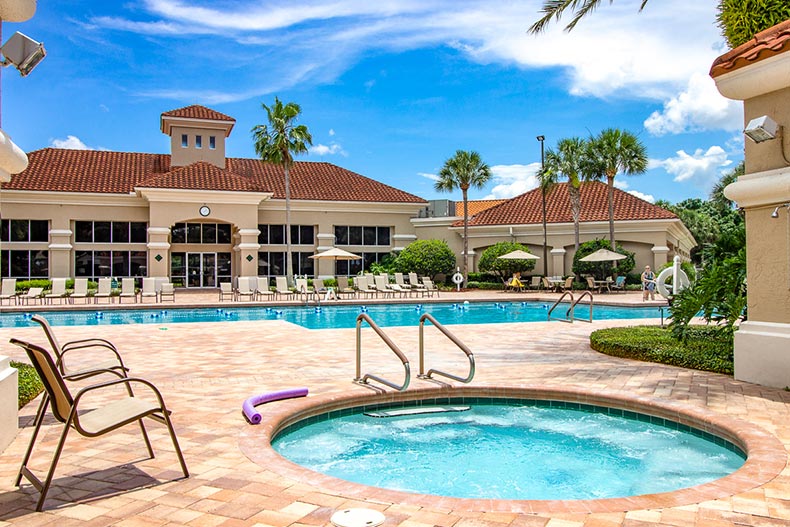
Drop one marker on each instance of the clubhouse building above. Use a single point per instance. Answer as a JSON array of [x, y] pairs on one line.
[[200, 218]]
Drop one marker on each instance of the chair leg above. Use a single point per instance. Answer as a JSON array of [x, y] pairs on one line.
[[42, 408], [172, 432], [55, 458]]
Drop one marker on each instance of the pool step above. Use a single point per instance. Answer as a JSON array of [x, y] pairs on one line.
[[417, 410]]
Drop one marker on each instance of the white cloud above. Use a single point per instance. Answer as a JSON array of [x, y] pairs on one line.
[[703, 168], [624, 185], [512, 180], [432, 177], [72, 143], [699, 107], [331, 132], [331, 149]]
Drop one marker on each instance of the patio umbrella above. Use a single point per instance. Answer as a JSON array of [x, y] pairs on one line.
[[519, 255], [602, 255], [336, 254]]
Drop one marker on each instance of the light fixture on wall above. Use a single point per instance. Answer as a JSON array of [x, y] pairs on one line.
[[775, 213], [23, 52], [761, 129]]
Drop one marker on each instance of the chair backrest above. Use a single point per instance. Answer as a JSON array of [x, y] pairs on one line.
[[413, 279], [536, 281], [53, 382], [590, 282], [225, 287], [427, 282], [105, 286], [58, 286], [546, 283], [569, 282], [342, 282], [167, 289], [381, 282], [301, 285], [262, 284], [149, 284], [81, 286], [35, 292], [127, 286], [399, 279], [619, 281], [244, 285], [53, 340], [9, 287], [318, 284], [281, 284]]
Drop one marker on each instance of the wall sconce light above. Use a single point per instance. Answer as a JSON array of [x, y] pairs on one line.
[[775, 213], [761, 129], [23, 52]]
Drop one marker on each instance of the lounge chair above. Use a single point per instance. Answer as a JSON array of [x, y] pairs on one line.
[[362, 287], [430, 288], [343, 287], [401, 282], [243, 288], [226, 289], [382, 286], [303, 289], [128, 290], [80, 289], [415, 283], [91, 422], [104, 291], [8, 291], [58, 291], [149, 289], [34, 293], [281, 286], [167, 292], [618, 284], [262, 289]]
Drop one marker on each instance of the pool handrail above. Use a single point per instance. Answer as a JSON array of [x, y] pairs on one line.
[[455, 340], [573, 305], [360, 379], [562, 296]]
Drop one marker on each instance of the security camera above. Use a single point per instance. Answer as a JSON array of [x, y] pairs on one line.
[[23, 52], [761, 129]]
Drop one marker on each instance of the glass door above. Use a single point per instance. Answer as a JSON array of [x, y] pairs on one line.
[[194, 269], [209, 270]]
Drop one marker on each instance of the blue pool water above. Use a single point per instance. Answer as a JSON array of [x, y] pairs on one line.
[[527, 451], [342, 316]]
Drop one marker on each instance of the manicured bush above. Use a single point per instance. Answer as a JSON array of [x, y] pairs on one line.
[[484, 277], [705, 348], [24, 285], [486, 286], [426, 258], [29, 383]]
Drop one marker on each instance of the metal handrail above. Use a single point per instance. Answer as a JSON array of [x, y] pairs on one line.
[[563, 295], [360, 379], [463, 347], [573, 305]]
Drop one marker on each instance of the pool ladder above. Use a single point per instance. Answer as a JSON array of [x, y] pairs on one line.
[[569, 313], [364, 379]]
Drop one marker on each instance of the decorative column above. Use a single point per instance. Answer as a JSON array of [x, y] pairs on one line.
[[60, 253], [9, 421], [558, 261], [660, 256], [158, 251], [324, 268], [247, 250]]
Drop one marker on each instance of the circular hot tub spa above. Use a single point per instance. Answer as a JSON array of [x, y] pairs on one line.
[[520, 448]]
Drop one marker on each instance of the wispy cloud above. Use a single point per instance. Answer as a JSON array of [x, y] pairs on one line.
[[72, 142], [702, 169], [432, 177], [330, 149], [512, 180], [624, 185]]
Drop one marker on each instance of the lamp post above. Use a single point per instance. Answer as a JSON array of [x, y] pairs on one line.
[[540, 139]]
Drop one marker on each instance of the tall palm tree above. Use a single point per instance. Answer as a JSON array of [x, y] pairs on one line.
[[614, 151], [567, 161], [555, 8], [464, 170], [277, 143], [717, 197]]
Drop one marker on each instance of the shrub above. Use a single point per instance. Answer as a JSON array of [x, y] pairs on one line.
[[740, 20], [504, 269], [426, 258], [484, 277], [704, 349], [24, 285], [29, 383], [488, 286], [686, 267], [601, 269]]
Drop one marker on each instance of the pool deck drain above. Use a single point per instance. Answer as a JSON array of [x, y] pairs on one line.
[[205, 371]]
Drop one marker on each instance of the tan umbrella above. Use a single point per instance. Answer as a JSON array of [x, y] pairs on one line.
[[336, 254], [602, 255], [519, 255]]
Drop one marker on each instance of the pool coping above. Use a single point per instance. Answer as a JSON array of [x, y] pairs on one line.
[[766, 456]]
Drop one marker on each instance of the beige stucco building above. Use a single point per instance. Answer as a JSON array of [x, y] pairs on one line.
[[758, 73], [199, 218]]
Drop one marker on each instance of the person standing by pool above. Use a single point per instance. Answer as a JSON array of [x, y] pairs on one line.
[[648, 284]]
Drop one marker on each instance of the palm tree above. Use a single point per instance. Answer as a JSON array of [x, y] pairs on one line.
[[614, 151], [464, 170], [717, 197], [277, 143], [555, 8], [567, 161]]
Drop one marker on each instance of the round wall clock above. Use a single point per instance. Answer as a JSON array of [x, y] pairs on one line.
[[204, 210]]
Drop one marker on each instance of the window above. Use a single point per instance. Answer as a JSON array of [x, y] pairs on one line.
[[24, 264], [212, 142], [96, 264], [198, 141], [354, 235], [24, 231], [275, 234], [201, 233], [184, 141], [272, 263], [110, 232], [352, 267]]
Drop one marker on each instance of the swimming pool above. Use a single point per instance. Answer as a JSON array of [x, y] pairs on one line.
[[489, 448], [333, 316]]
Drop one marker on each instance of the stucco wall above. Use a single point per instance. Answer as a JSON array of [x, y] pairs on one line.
[[768, 154]]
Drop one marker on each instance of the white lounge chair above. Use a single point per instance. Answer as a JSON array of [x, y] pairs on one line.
[[401, 281], [167, 292], [281, 285], [34, 293], [8, 291], [244, 288], [80, 289], [149, 289], [362, 287], [343, 287], [226, 289], [415, 283], [430, 288], [382, 286], [127, 290], [262, 290], [104, 291], [303, 289], [58, 291]]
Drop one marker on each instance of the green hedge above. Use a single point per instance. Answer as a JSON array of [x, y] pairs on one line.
[[29, 383], [704, 350], [488, 286]]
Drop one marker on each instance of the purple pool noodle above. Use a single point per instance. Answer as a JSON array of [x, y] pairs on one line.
[[248, 407]]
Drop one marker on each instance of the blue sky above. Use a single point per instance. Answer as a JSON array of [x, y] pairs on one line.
[[388, 89]]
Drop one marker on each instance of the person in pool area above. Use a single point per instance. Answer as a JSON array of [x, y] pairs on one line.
[[648, 284], [515, 282]]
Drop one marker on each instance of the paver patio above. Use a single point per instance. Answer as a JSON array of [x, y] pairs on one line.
[[205, 371]]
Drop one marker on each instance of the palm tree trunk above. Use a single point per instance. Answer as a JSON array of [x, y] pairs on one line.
[[289, 273], [466, 233], [576, 209], [610, 184]]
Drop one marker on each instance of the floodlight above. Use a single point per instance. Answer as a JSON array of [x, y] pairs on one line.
[[23, 52], [761, 129]]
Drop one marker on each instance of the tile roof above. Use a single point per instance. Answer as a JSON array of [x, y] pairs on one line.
[[93, 171], [527, 208], [765, 44], [476, 206], [196, 111]]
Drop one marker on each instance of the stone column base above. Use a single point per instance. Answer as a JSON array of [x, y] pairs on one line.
[[9, 400], [762, 353]]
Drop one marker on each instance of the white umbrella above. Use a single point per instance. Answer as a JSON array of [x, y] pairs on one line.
[[602, 255], [518, 255], [336, 254]]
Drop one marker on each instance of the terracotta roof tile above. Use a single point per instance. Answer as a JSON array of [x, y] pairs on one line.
[[527, 208], [196, 111], [61, 170], [768, 43], [476, 206]]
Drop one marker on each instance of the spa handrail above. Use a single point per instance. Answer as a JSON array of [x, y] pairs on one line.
[[562, 296], [360, 379], [573, 305], [463, 347]]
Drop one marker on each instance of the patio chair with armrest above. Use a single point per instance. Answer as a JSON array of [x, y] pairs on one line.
[[128, 289], [568, 285], [8, 291], [91, 422], [343, 288], [262, 289], [149, 289], [618, 284], [104, 291], [168, 292], [281, 286], [80, 289], [243, 288], [536, 283], [226, 290], [591, 285]]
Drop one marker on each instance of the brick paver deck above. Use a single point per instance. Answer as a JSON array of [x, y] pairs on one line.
[[205, 371]]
